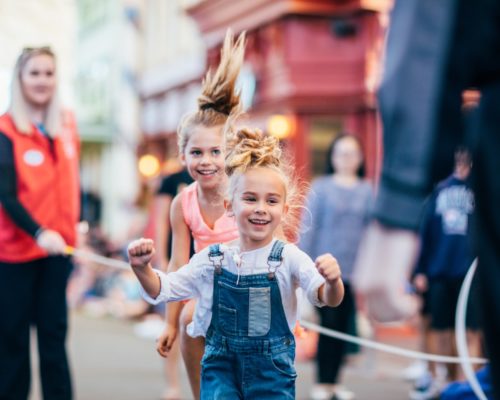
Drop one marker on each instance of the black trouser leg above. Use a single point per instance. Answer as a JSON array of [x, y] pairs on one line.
[[331, 352], [52, 322], [486, 172], [17, 282]]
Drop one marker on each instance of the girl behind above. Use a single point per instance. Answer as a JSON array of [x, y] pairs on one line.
[[198, 211]]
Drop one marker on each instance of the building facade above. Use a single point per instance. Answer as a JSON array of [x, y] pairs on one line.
[[315, 64], [311, 70], [175, 60], [108, 59]]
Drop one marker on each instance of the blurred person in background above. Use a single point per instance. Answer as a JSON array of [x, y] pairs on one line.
[[435, 51], [170, 186], [445, 257], [338, 206], [39, 195]]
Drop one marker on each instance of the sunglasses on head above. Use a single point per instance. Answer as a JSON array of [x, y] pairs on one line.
[[41, 49]]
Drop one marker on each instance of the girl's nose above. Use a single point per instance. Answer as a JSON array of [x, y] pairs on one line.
[[259, 208]]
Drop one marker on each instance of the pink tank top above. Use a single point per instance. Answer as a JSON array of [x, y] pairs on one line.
[[225, 229]]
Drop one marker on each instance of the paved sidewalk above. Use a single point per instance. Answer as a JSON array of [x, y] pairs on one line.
[[109, 362]]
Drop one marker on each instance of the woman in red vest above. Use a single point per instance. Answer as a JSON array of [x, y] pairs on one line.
[[39, 209]]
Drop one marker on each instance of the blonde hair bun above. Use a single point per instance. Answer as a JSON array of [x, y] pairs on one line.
[[250, 148]]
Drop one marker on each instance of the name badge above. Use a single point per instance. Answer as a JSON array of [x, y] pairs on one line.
[[33, 158]]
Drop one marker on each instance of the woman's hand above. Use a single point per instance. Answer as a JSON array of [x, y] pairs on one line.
[[51, 241], [421, 283]]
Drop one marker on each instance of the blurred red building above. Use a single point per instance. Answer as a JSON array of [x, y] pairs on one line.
[[311, 69], [314, 62]]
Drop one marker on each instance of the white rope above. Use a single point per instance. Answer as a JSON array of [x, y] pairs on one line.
[[388, 348], [108, 262], [461, 334], [314, 327]]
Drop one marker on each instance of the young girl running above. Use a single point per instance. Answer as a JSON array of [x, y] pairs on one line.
[[198, 211], [246, 290]]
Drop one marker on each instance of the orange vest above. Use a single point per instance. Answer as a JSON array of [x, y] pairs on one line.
[[48, 187]]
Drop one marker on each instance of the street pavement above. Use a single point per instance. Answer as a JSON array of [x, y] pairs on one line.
[[110, 362]]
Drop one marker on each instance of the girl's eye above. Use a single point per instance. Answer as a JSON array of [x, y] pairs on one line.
[[195, 152], [272, 201], [249, 199], [216, 152]]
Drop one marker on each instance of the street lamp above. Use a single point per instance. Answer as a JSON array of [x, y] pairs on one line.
[[149, 165], [280, 126]]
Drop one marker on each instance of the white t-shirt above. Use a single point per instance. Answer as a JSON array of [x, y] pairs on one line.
[[196, 280]]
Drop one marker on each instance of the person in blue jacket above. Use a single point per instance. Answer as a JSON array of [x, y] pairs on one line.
[[445, 257]]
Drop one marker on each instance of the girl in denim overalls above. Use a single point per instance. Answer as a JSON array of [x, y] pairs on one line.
[[247, 289]]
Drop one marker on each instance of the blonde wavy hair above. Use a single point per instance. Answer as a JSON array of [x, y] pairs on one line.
[[19, 109], [251, 148], [218, 98]]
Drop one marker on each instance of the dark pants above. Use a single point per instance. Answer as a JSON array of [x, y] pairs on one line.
[[486, 182], [34, 293], [331, 352], [443, 297]]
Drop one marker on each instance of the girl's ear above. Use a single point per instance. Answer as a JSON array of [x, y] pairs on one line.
[[183, 159], [228, 205], [285, 209]]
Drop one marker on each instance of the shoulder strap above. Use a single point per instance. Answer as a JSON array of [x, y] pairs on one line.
[[214, 251], [276, 253], [215, 255], [275, 258]]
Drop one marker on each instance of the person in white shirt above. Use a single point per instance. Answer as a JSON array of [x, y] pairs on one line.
[[246, 290]]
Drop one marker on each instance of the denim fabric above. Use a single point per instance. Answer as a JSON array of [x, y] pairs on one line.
[[249, 350]]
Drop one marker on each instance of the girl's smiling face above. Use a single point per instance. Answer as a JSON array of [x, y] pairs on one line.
[[204, 156], [258, 204]]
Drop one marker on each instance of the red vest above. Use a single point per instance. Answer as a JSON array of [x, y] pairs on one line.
[[48, 186]]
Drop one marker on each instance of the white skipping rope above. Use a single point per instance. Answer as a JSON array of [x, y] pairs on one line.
[[108, 262], [463, 359], [460, 333], [389, 348]]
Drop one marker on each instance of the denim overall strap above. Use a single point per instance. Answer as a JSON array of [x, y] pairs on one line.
[[275, 258], [215, 255]]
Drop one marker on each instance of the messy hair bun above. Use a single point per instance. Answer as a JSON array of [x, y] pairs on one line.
[[249, 148]]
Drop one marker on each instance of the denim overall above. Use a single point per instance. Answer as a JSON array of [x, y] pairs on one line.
[[249, 349]]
